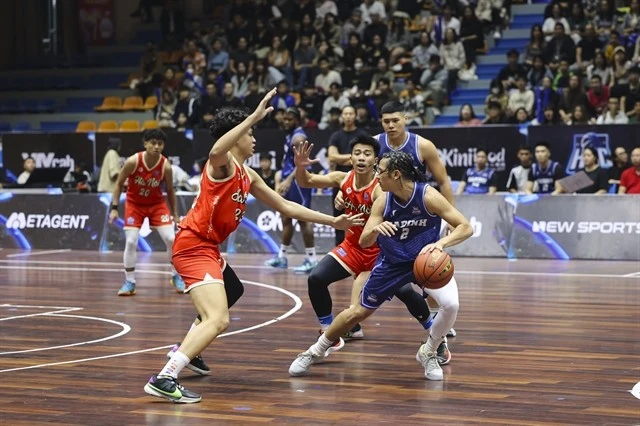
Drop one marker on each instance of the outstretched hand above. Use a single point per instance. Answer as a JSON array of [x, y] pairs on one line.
[[346, 221], [264, 106], [302, 153]]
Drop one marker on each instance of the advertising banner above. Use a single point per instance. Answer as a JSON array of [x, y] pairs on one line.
[[49, 150], [40, 221], [456, 146], [514, 226], [568, 142]]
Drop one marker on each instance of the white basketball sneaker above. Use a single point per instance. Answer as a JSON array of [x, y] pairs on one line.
[[432, 370]]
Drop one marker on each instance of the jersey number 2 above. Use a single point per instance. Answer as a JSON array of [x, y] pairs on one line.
[[404, 234]]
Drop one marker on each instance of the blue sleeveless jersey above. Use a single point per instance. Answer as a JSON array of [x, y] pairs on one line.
[[288, 165], [410, 146], [478, 180], [545, 178], [417, 227]]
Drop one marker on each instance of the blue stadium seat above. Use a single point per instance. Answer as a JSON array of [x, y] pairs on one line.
[[21, 127], [58, 126]]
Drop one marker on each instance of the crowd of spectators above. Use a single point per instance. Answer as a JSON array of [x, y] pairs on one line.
[[321, 55], [581, 66]]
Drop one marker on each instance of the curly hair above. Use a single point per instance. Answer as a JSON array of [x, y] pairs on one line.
[[225, 119], [403, 162]]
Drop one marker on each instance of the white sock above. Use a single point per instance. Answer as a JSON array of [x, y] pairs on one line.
[[432, 344], [321, 346], [311, 254], [283, 250], [175, 365], [130, 276]]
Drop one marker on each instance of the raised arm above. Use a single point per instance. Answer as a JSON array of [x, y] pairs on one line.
[[262, 192], [219, 154], [312, 180]]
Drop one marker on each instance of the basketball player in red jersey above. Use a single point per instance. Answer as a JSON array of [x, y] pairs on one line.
[[145, 171], [216, 212], [360, 188]]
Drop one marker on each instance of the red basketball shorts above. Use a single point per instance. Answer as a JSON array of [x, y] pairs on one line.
[[354, 258], [198, 261], [158, 215]]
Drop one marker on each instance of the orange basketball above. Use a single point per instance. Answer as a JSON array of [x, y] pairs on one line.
[[433, 269]]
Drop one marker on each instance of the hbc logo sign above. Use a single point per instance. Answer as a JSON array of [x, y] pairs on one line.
[[597, 141]]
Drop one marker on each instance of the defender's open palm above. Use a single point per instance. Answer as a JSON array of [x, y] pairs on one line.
[[346, 221], [302, 154]]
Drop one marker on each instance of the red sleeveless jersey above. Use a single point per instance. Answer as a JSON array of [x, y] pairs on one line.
[[144, 185], [219, 206], [357, 201]]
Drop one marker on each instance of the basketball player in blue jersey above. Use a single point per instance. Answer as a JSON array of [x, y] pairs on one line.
[[291, 191], [405, 221], [479, 179], [544, 173], [425, 159]]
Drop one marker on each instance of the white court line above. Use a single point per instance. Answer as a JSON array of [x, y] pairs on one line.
[[9, 305], [29, 253], [39, 314], [125, 329], [296, 299], [459, 272]]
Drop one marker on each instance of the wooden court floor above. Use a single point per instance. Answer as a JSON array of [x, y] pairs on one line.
[[539, 343]]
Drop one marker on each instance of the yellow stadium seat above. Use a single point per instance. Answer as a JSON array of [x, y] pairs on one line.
[[130, 126], [110, 103], [150, 124], [86, 126], [150, 103], [132, 103], [108, 126]]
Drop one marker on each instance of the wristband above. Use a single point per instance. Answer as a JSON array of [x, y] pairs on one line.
[[114, 207]]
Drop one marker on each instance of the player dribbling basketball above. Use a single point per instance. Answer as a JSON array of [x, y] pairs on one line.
[[404, 222]]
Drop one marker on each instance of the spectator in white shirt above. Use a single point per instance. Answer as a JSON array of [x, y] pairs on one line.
[[613, 115], [521, 97], [327, 76], [29, 166], [336, 100], [371, 7], [549, 25]]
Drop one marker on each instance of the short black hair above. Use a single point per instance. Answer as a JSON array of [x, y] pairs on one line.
[[544, 144], [596, 77], [482, 149], [593, 151], [266, 156], [392, 107], [151, 134], [524, 148], [365, 140], [226, 119]]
